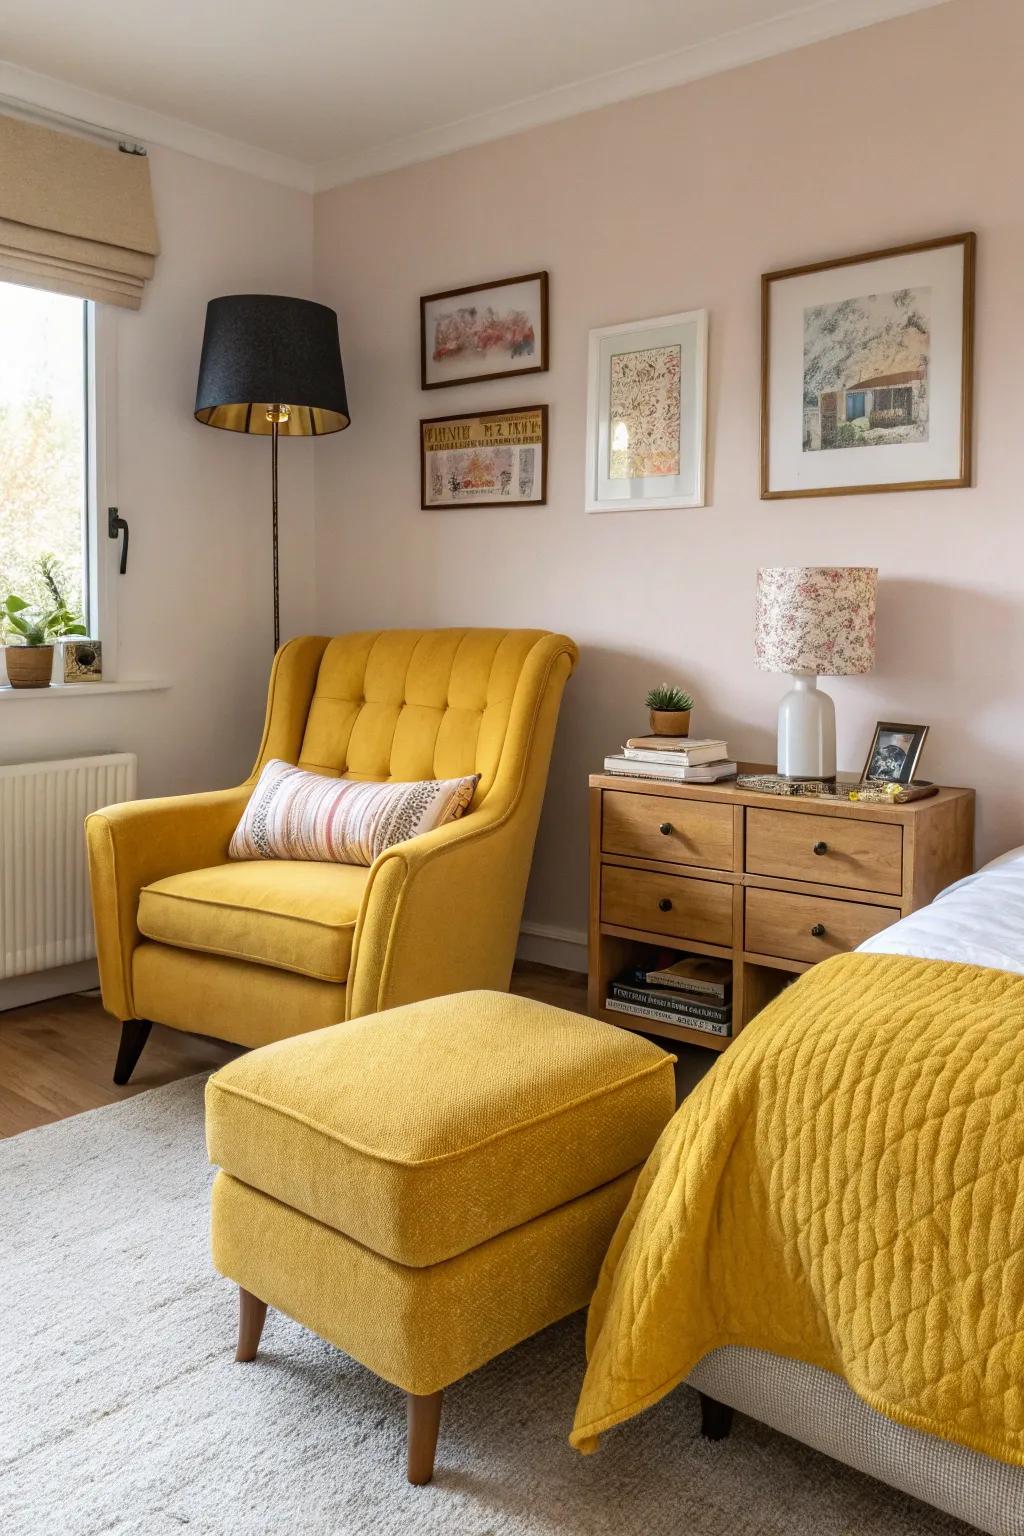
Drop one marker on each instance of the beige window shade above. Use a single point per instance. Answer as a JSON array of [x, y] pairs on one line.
[[75, 217]]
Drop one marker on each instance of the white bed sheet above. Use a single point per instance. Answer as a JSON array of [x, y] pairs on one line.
[[977, 921]]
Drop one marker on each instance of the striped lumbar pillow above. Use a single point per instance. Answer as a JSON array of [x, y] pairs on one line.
[[293, 814]]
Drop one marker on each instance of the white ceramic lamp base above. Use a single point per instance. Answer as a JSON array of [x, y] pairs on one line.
[[807, 732]]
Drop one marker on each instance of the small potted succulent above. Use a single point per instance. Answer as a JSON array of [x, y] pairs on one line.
[[670, 710], [30, 661]]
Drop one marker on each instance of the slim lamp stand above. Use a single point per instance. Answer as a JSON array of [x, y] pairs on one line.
[[271, 359], [273, 476]]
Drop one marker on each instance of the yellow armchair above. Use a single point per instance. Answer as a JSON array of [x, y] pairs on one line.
[[255, 952]]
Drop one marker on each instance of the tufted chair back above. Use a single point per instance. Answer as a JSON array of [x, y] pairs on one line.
[[408, 704]]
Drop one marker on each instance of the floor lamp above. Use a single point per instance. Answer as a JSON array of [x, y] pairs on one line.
[[271, 366]]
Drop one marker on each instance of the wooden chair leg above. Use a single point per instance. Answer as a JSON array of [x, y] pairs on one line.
[[134, 1034], [252, 1314], [715, 1418], [424, 1420]]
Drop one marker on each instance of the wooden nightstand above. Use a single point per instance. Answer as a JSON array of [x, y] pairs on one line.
[[773, 884]]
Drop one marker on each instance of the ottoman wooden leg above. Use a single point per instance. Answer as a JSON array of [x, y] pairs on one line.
[[424, 1421], [252, 1314]]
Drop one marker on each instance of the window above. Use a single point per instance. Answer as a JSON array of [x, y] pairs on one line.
[[46, 525]]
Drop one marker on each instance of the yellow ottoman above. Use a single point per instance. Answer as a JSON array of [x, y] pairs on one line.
[[428, 1186]]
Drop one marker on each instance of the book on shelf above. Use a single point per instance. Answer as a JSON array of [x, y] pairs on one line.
[[665, 1016], [669, 773], [680, 749], [699, 974], [687, 1009]]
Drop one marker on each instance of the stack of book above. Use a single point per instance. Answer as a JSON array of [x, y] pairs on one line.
[[692, 990], [677, 759]]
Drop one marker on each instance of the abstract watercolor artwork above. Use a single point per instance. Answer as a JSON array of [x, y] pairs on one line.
[[490, 331], [646, 405], [484, 460], [866, 371]]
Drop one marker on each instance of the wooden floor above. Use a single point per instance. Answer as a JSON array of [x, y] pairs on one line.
[[56, 1058]]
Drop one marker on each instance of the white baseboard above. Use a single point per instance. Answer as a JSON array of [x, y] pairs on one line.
[[19, 991], [546, 944]]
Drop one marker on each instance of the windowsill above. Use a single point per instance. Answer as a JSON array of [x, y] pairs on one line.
[[77, 690]]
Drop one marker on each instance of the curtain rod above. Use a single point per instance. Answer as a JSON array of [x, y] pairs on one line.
[[81, 125]]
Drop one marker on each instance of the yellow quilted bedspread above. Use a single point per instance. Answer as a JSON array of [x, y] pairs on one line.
[[846, 1188]]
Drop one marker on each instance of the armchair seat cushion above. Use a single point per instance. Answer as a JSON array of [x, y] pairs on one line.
[[295, 916]]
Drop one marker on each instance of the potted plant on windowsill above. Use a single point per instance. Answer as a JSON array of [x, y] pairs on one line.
[[30, 661], [670, 710]]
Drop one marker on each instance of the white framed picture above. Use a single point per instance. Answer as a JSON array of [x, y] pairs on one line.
[[646, 413]]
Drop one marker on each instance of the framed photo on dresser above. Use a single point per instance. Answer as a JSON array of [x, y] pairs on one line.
[[866, 372]]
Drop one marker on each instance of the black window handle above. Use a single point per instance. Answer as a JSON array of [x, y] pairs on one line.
[[665, 828], [116, 526], [821, 848], [664, 905], [818, 931]]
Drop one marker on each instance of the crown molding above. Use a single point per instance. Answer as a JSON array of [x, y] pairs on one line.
[[762, 40], [45, 94], [732, 50]]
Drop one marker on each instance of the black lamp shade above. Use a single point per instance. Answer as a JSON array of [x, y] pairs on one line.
[[262, 350]]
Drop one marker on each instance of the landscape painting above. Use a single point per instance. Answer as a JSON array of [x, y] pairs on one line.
[[486, 332], [866, 370]]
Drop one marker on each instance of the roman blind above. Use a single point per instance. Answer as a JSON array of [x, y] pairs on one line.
[[75, 216]]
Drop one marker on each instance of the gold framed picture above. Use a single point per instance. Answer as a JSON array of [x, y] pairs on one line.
[[488, 331], [866, 372], [485, 459]]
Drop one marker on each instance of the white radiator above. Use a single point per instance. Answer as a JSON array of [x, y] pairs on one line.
[[45, 914]]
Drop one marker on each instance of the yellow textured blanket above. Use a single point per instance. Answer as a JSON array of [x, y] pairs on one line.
[[846, 1187]]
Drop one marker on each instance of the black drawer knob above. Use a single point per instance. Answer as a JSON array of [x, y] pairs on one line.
[[821, 848], [665, 905], [818, 931], [665, 828]]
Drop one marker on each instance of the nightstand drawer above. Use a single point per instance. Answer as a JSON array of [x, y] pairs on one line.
[[675, 831], [809, 927], [670, 904], [830, 850]]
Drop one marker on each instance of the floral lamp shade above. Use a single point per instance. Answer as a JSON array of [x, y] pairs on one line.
[[818, 620]]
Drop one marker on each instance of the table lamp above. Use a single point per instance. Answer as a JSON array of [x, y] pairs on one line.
[[270, 366], [813, 621]]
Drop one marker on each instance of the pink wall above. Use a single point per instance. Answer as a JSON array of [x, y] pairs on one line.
[[677, 201]]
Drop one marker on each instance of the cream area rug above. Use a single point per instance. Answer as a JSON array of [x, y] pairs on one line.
[[122, 1410]]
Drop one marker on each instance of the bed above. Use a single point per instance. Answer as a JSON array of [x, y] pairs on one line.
[[681, 1219]]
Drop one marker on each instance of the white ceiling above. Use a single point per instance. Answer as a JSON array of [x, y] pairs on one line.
[[346, 87]]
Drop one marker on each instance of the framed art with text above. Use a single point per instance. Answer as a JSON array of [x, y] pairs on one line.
[[490, 331], [646, 407], [485, 459], [866, 366]]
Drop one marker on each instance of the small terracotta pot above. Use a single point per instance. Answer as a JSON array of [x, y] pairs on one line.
[[29, 666], [670, 722]]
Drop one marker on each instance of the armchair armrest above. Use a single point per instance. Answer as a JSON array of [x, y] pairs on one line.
[[133, 844], [440, 914]]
